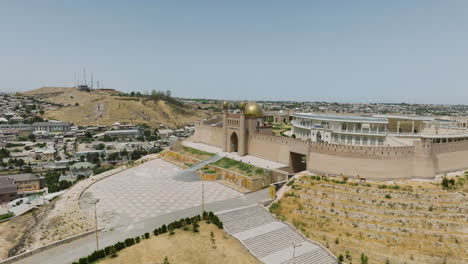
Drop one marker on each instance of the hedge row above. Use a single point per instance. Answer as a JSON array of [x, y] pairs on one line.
[[208, 217]]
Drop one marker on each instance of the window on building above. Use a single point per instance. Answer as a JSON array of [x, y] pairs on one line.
[[364, 140], [350, 140], [357, 140], [343, 138], [372, 141], [380, 141]]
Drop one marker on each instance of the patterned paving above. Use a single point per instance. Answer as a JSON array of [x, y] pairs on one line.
[[272, 241], [147, 191]]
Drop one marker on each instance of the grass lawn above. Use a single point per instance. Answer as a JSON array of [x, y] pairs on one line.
[[196, 153], [210, 245], [240, 167], [278, 129]]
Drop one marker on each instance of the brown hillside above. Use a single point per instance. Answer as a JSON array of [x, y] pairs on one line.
[[411, 222], [105, 108]]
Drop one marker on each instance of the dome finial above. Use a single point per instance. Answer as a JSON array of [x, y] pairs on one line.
[[242, 106]]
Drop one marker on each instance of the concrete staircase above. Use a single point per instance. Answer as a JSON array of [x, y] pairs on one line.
[[270, 240]]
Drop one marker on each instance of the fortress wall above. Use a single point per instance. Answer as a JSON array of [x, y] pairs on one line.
[[423, 160], [362, 152], [368, 162], [266, 147], [450, 156], [304, 147], [367, 168], [209, 135]]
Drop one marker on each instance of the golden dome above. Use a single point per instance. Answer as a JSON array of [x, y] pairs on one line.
[[253, 109]]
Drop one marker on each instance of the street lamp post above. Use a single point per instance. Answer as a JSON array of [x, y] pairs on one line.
[[294, 250], [203, 195], [96, 221]]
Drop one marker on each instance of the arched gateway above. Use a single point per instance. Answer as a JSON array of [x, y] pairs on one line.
[[234, 143]]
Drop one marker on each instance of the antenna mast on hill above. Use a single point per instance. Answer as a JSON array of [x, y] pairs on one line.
[[92, 82], [84, 76]]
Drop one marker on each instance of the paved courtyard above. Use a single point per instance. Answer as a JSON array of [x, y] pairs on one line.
[[147, 191], [256, 161]]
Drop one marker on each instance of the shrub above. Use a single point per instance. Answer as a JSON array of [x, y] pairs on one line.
[[388, 196], [364, 259], [274, 208], [147, 235], [6, 216], [129, 242], [119, 246], [195, 227], [112, 252]]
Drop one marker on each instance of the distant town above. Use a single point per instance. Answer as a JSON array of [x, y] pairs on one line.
[[254, 160]]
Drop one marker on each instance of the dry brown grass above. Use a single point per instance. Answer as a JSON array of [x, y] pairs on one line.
[[421, 224], [101, 108], [186, 247]]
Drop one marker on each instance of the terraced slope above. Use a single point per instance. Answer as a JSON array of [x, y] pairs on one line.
[[403, 224]]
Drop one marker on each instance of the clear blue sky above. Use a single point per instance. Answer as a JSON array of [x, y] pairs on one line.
[[347, 51]]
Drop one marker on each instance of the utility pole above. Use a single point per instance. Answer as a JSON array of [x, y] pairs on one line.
[[96, 221]]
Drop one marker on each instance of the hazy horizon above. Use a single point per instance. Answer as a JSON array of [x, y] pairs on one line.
[[350, 52]]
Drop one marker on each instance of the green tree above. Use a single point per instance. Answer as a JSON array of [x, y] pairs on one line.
[[32, 137], [20, 163]]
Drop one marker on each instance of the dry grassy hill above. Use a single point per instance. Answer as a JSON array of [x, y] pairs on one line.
[[105, 108], [210, 245], [410, 223]]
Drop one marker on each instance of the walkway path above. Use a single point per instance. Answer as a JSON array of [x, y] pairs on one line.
[[256, 161], [270, 240]]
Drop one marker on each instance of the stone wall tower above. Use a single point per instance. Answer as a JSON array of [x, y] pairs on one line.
[[225, 128], [424, 162], [242, 131]]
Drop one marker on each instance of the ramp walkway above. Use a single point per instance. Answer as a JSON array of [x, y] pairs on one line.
[[270, 240], [203, 163], [190, 174]]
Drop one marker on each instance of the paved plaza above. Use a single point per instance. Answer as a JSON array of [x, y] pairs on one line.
[[256, 161], [147, 191]]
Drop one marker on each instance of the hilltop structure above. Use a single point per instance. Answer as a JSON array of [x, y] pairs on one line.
[[430, 146]]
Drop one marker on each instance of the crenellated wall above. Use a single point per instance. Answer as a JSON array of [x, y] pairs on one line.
[[209, 135], [450, 156], [423, 160]]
